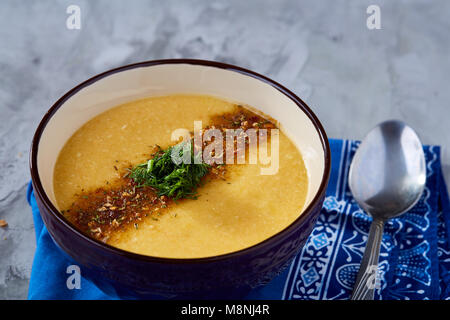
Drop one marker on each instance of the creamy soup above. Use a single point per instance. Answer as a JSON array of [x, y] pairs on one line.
[[234, 207]]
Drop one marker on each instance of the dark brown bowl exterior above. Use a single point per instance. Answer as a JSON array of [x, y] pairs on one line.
[[127, 275]]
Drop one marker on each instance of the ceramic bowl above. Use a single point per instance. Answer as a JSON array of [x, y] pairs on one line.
[[129, 275]]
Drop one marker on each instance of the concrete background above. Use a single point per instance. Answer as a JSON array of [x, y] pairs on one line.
[[351, 76]]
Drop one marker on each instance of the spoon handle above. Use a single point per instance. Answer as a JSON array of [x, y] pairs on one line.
[[366, 280]]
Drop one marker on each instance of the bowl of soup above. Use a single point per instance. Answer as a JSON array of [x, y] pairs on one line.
[[179, 178]]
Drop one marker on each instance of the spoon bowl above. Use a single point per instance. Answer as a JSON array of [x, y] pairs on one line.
[[387, 177]]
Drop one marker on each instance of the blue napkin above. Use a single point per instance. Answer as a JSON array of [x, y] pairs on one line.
[[414, 258]]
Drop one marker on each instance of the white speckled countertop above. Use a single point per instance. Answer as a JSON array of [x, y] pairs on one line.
[[351, 76]]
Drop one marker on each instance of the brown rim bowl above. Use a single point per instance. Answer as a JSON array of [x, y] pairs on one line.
[[128, 275]]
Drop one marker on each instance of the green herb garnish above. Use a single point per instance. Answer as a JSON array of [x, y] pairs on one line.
[[174, 180]]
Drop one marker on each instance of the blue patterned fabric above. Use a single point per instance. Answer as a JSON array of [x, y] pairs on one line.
[[414, 258]]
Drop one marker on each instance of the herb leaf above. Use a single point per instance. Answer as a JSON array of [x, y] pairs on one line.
[[176, 181]]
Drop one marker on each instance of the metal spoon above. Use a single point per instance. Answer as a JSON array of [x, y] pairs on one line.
[[387, 177]]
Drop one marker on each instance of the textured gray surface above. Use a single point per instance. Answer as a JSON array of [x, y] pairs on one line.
[[352, 77]]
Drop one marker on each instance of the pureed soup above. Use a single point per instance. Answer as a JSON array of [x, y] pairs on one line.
[[115, 179]]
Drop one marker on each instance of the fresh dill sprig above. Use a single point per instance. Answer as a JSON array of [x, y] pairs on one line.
[[174, 180]]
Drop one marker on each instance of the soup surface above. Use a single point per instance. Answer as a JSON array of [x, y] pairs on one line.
[[234, 209]]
